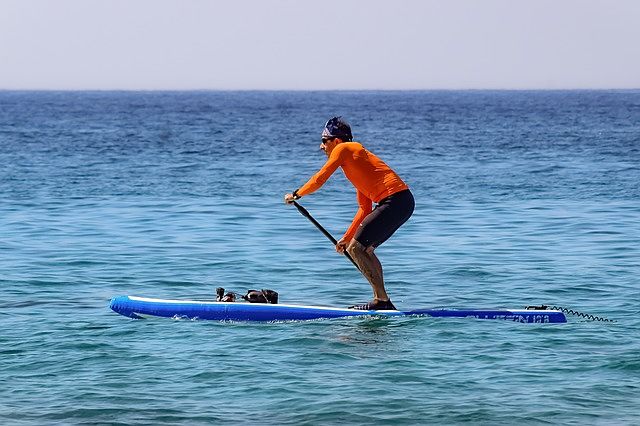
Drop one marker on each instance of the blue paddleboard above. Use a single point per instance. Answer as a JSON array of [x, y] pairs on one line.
[[144, 307]]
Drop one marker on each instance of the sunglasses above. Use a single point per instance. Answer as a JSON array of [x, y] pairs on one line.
[[326, 140]]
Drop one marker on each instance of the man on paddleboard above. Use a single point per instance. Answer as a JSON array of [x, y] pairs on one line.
[[375, 182]]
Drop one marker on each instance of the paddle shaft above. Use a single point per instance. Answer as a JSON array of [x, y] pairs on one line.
[[326, 233]]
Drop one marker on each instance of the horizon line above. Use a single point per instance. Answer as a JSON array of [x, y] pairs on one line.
[[506, 89]]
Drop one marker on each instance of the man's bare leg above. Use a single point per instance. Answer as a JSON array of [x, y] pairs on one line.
[[370, 267]]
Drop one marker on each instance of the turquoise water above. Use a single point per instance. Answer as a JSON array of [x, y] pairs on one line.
[[522, 198]]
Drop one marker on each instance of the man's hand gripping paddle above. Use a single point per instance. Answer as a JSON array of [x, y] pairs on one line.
[[326, 233]]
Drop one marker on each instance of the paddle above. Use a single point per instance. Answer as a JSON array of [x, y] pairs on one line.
[[326, 233]]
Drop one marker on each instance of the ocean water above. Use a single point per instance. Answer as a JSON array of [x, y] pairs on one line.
[[522, 198]]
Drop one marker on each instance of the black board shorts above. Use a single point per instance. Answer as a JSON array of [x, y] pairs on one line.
[[390, 213]]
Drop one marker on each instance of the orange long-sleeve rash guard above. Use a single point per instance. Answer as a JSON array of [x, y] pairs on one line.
[[371, 177]]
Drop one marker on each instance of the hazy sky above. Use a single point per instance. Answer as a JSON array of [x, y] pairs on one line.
[[327, 44]]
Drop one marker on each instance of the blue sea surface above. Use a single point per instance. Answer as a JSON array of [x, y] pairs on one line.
[[521, 198]]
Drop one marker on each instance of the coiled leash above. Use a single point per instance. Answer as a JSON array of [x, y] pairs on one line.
[[572, 312]]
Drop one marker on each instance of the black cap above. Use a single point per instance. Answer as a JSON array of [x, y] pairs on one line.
[[337, 127]]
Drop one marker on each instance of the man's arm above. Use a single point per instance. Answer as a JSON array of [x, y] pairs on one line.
[[317, 180], [364, 208]]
